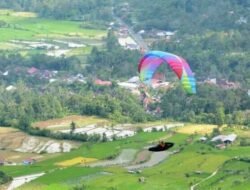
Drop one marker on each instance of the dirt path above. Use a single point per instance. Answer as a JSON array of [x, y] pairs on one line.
[[18, 181], [213, 174]]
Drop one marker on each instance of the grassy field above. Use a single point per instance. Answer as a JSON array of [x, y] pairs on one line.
[[26, 26], [63, 178], [19, 27], [64, 123], [91, 150], [234, 174], [195, 162]]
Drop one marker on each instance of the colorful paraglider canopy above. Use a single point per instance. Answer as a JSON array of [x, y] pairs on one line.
[[162, 146], [153, 59]]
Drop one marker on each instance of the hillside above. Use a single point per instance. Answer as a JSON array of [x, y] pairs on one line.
[[211, 35], [76, 115], [190, 163]]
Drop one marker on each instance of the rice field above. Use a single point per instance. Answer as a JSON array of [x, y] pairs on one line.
[[27, 26], [7, 130], [196, 129], [75, 161], [64, 123], [192, 162], [18, 27]]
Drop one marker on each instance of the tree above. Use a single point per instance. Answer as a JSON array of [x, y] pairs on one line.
[[4, 178], [215, 132], [220, 114], [112, 42], [72, 127], [24, 123], [104, 137]]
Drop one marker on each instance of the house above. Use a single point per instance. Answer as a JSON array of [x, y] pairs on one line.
[[47, 74], [163, 85], [155, 128], [126, 85], [229, 138], [97, 131], [111, 133], [226, 139], [242, 20], [111, 24], [10, 88], [141, 32], [203, 139], [169, 33], [127, 42], [1, 162], [225, 84], [29, 161], [173, 125], [6, 73], [102, 82], [125, 133], [166, 34], [32, 71], [211, 81], [123, 32], [52, 80], [132, 46]]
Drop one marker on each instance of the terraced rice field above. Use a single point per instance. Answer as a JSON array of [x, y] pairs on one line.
[[75, 161]]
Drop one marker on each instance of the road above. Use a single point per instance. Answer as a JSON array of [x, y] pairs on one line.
[[213, 174], [19, 181], [137, 37]]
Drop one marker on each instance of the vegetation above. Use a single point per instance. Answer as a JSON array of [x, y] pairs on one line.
[[212, 36], [221, 55], [188, 16], [210, 105], [113, 63], [233, 173], [22, 26], [194, 162], [4, 178], [76, 10], [19, 111]]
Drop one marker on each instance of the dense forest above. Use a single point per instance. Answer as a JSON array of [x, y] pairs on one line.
[[114, 62], [189, 16], [210, 105], [218, 55], [59, 100]]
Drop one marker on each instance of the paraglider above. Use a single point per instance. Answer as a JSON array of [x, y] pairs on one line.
[[153, 59]]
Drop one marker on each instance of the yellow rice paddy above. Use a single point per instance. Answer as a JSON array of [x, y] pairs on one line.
[[75, 161], [199, 129]]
